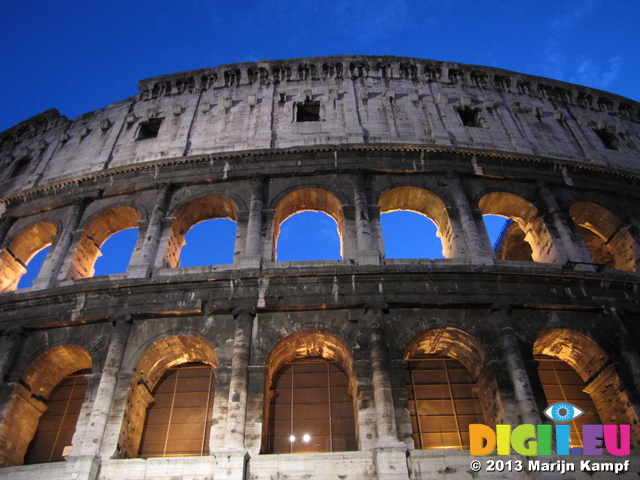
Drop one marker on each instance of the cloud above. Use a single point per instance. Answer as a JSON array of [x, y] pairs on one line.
[[587, 72], [569, 17]]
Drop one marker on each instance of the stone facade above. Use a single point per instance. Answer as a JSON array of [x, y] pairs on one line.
[[354, 137]]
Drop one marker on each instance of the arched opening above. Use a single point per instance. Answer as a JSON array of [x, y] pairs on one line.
[[33, 268], [309, 404], [52, 440], [37, 405], [178, 421], [609, 243], [170, 400], [308, 236], [210, 242], [410, 235], [96, 233], [298, 234], [217, 235], [116, 251], [526, 237], [573, 368], [561, 383], [507, 239], [449, 386], [15, 260], [419, 201]]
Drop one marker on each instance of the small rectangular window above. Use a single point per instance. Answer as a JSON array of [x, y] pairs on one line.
[[608, 139], [20, 167], [469, 116], [149, 129], [308, 111]]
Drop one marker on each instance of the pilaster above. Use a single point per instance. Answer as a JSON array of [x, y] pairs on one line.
[[150, 235]]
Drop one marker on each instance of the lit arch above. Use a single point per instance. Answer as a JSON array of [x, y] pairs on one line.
[[328, 414], [527, 227], [25, 245], [305, 199], [97, 231], [29, 401], [608, 241], [449, 385], [600, 379], [165, 354], [423, 202], [196, 211]]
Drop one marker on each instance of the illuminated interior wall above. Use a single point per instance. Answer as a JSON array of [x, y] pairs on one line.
[[178, 421]]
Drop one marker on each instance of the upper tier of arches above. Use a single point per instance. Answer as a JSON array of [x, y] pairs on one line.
[[557, 227]]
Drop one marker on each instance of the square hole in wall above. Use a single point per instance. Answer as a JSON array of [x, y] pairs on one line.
[[20, 167], [469, 116], [149, 129], [608, 139], [308, 111]]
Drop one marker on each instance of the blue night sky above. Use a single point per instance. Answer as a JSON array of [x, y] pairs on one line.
[[78, 56]]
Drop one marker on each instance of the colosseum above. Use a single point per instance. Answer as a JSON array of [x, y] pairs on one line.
[[358, 368]]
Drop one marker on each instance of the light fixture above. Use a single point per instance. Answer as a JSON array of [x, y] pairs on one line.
[[292, 438], [306, 437]]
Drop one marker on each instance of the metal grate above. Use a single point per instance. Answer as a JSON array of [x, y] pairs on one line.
[[441, 403]]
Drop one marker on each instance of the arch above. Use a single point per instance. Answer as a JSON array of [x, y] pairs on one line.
[[326, 364], [449, 386], [419, 200], [303, 199], [166, 353], [97, 231], [527, 228], [596, 371], [196, 211], [606, 238], [28, 402], [24, 246]]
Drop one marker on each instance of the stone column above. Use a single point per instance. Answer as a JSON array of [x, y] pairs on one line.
[[479, 250], [106, 388], [573, 245], [389, 453], [366, 254], [237, 404], [143, 258], [522, 390], [5, 225], [629, 354], [252, 249], [52, 270], [382, 388], [10, 343]]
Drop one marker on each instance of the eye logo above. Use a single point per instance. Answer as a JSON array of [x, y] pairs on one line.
[[563, 412]]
